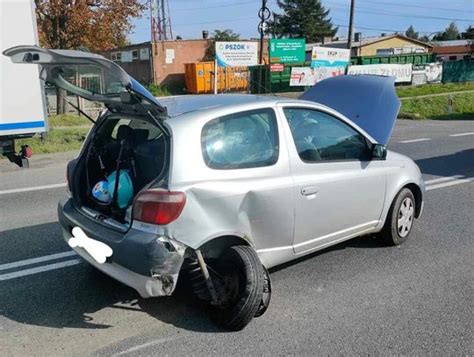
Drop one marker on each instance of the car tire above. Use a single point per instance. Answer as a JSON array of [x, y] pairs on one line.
[[400, 218], [238, 278]]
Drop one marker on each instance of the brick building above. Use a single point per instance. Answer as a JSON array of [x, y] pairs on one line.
[[160, 62]]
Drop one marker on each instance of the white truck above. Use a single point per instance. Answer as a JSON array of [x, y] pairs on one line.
[[22, 100]]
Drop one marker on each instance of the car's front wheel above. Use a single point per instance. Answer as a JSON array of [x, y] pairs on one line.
[[400, 218], [239, 279]]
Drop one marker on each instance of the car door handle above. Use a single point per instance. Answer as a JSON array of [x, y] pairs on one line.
[[310, 190]]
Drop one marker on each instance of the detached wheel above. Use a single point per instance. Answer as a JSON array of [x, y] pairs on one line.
[[239, 279], [400, 218]]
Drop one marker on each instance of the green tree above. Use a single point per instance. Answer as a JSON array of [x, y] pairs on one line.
[[307, 19], [450, 33], [411, 33], [218, 35], [469, 34]]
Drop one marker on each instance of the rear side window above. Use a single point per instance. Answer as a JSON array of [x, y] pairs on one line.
[[241, 140]]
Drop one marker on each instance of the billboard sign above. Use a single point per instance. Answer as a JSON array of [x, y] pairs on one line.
[[427, 73], [277, 67], [237, 53], [306, 76], [287, 50], [330, 57], [401, 72]]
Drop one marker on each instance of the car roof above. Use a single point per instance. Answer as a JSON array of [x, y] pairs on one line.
[[177, 105]]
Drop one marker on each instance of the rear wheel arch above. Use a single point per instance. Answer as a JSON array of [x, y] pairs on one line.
[[214, 247]]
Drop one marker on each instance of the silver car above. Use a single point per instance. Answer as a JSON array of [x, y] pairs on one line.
[[215, 190]]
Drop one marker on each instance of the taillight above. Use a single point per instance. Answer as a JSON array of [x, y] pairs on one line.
[[158, 206]]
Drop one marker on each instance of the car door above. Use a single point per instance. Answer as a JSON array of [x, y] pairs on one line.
[[339, 190]]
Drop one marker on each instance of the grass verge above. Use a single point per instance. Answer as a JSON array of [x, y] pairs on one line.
[[413, 91], [64, 120], [57, 140], [437, 107]]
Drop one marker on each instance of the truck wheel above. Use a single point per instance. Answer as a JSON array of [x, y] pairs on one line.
[[238, 278], [400, 218]]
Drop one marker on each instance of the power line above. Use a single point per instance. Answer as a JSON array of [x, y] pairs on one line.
[[400, 14], [215, 6], [406, 5], [415, 6]]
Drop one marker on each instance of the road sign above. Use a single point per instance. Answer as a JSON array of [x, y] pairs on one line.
[[287, 50], [237, 53], [277, 67]]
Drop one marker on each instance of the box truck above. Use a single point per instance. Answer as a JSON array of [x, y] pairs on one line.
[[22, 100]]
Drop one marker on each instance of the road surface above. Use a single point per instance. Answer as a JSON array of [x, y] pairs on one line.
[[358, 297]]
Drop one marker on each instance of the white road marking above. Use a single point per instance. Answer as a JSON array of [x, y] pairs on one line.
[[443, 179], [414, 140], [463, 134], [45, 258], [40, 269], [145, 345], [432, 184], [450, 183], [34, 188]]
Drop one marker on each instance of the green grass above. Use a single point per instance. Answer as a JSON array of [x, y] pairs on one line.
[[67, 120], [413, 91], [57, 140], [437, 107], [165, 90]]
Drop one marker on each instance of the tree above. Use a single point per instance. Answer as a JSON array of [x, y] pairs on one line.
[[469, 34], [95, 25], [450, 33], [411, 33], [306, 19], [424, 38], [218, 35]]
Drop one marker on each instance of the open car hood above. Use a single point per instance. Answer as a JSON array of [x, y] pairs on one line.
[[369, 101], [85, 74]]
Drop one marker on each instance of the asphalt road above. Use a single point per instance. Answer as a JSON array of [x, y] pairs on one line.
[[358, 297]]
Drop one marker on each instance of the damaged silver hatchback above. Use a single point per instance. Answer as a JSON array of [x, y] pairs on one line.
[[222, 188]]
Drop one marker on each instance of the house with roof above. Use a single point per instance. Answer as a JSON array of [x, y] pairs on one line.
[[454, 50]]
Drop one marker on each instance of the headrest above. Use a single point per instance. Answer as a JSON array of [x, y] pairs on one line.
[[126, 133]]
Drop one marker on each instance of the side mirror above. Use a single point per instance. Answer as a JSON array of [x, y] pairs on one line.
[[379, 151]]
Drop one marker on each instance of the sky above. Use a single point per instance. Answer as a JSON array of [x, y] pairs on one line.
[[371, 17]]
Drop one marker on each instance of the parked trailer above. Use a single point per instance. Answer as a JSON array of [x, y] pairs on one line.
[[22, 106]]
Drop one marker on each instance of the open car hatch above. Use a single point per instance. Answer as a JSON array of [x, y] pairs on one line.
[[87, 75], [369, 101]]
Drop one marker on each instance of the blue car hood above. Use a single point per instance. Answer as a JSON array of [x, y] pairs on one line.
[[369, 101]]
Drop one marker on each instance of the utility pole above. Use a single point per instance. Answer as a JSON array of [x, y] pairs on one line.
[[264, 15], [351, 25]]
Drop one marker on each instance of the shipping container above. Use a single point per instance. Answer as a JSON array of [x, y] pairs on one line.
[[199, 78]]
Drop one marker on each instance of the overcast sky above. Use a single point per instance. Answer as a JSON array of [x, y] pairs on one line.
[[190, 17]]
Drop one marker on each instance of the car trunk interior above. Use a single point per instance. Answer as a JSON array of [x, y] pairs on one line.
[[133, 146]]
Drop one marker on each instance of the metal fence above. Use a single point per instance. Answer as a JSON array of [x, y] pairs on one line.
[[458, 71]]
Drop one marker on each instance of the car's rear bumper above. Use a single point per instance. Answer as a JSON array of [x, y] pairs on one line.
[[140, 259]]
